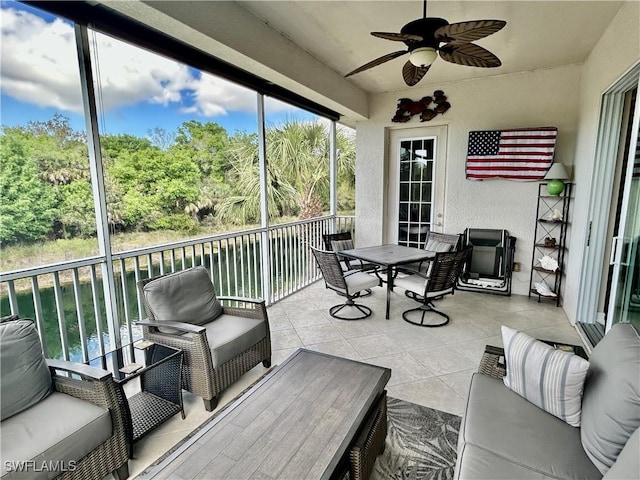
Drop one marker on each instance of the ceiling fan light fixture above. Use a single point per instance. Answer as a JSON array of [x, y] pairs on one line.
[[423, 56]]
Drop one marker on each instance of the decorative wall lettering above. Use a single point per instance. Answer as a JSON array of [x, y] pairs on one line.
[[426, 107]]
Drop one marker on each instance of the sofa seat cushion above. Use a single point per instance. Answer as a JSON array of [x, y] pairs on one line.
[[60, 428], [502, 422], [228, 335], [480, 464]]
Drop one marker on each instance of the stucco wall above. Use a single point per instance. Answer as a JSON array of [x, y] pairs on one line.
[[540, 98]]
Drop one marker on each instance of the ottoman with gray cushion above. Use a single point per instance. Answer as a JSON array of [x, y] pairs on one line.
[[54, 425], [505, 436]]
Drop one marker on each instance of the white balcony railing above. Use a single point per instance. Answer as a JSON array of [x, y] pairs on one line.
[[67, 301]]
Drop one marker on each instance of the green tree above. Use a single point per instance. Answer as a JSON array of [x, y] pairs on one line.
[[297, 172], [61, 156], [76, 210], [206, 144], [27, 203], [154, 184]]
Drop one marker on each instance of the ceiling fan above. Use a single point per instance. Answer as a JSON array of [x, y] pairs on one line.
[[424, 36]]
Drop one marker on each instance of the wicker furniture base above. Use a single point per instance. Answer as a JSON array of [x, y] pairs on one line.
[[492, 362], [370, 443]]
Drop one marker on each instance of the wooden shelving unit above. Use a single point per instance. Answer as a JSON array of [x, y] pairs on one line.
[[550, 240]]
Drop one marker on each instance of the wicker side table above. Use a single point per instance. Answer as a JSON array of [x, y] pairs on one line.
[[492, 362], [149, 375]]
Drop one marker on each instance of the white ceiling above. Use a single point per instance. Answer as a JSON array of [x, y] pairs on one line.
[[538, 34]]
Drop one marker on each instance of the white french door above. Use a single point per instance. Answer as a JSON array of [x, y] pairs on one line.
[[416, 181]]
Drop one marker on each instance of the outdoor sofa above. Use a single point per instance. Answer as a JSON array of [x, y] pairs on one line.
[[505, 436], [54, 425]]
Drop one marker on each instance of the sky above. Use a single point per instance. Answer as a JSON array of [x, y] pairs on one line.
[[139, 90]]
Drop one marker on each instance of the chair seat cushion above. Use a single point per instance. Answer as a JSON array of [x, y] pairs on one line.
[[24, 374], [499, 421], [358, 281], [230, 335], [60, 428]]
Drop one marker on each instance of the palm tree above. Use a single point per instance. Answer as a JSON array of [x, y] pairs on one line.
[[297, 172]]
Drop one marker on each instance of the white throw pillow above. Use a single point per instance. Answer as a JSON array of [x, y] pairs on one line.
[[549, 378]]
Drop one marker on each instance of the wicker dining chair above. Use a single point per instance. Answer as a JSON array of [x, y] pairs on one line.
[[349, 284], [435, 242], [440, 280], [336, 242], [220, 343]]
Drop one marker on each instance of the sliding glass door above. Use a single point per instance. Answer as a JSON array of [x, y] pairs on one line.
[[624, 300]]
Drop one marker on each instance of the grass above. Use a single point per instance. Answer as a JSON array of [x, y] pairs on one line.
[[20, 257]]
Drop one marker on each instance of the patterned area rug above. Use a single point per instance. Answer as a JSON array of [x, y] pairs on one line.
[[421, 443]]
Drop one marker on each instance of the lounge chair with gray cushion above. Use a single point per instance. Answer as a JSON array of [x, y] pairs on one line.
[[220, 343]]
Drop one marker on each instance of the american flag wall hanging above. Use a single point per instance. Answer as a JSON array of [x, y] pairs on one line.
[[520, 154]]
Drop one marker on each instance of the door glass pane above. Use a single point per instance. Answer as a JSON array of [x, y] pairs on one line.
[[416, 190], [418, 171], [426, 190], [425, 213], [405, 169], [627, 301], [404, 211]]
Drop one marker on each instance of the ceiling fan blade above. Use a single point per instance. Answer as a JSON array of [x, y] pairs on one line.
[[468, 31], [413, 74], [398, 37], [469, 54], [377, 61]]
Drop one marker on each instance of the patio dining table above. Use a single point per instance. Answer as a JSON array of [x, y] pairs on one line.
[[389, 256]]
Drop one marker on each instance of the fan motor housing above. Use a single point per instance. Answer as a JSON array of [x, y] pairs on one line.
[[426, 28]]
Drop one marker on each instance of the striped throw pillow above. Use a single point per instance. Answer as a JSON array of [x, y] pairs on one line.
[[434, 245], [549, 378], [339, 245]]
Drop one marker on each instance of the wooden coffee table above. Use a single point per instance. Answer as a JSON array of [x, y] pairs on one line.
[[303, 420]]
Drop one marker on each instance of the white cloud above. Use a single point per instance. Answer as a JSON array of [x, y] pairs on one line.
[[40, 67], [38, 59]]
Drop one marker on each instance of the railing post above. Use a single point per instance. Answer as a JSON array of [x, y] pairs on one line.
[[264, 204], [97, 184]]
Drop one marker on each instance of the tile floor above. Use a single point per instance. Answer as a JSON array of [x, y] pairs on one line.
[[431, 367]]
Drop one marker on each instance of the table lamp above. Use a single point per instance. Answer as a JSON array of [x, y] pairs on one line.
[[556, 174]]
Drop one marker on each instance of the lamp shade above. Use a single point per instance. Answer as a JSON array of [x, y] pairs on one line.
[[557, 172], [423, 57], [555, 175]]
